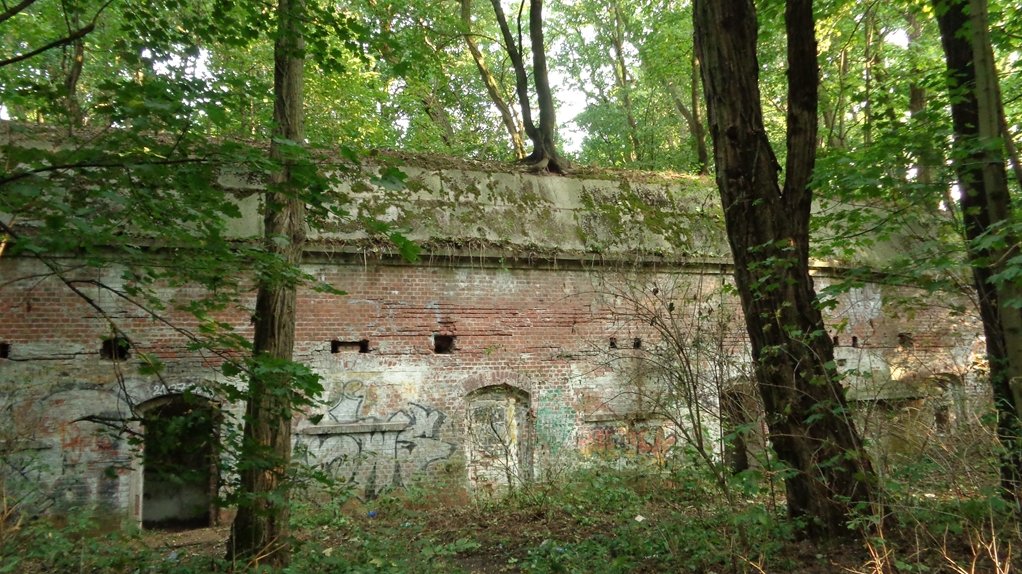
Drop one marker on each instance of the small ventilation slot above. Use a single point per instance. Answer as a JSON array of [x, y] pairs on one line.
[[361, 346], [443, 344], [905, 340], [5, 350], [115, 349]]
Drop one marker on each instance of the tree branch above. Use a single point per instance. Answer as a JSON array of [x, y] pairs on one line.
[[77, 34], [84, 165], [14, 10]]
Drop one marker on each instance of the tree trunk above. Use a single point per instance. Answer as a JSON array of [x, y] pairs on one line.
[[768, 229], [544, 155], [514, 52], [624, 82], [869, 57], [917, 94], [260, 533], [437, 113], [698, 131], [492, 87], [985, 206], [695, 125], [74, 73]]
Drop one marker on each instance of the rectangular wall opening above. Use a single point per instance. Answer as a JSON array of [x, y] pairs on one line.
[[443, 344], [906, 340], [115, 349], [361, 346]]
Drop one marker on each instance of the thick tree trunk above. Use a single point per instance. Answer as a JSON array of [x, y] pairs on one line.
[[260, 532], [768, 229], [492, 87], [986, 204]]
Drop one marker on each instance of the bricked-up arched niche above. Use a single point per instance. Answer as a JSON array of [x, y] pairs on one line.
[[742, 422], [499, 435], [179, 462]]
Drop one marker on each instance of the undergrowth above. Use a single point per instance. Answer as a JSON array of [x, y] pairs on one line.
[[600, 519]]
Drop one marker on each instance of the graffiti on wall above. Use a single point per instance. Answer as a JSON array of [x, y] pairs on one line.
[[52, 459], [377, 453], [614, 441]]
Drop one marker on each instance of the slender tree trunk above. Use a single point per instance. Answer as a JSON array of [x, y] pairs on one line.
[[870, 61], [260, 533], [986, 205], [492, 87], [74, 62], [1012, 150], [514, 52], [624, 82], [834, 117], [74, 107], [698, 131], [437, 113], [768, 229], [545, 155], [695, 125], [917, 94]]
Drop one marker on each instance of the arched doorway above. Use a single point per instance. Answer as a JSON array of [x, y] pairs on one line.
[[180, 472], [500, 436]]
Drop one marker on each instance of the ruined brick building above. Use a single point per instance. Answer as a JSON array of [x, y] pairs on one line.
[[518, 343]]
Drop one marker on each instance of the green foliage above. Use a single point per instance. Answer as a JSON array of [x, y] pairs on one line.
[[655, 44]]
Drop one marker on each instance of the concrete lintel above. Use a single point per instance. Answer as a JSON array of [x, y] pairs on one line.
[[355, 428]]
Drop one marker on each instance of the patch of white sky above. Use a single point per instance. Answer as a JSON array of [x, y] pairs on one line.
[[570, 98], [898, 37], [571, 101], [196, 66]]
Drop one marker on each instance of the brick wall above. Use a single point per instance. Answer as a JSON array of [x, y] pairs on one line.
[[532, 354]]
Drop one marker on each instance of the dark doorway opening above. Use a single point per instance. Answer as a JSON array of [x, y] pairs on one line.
[[180, 465]]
